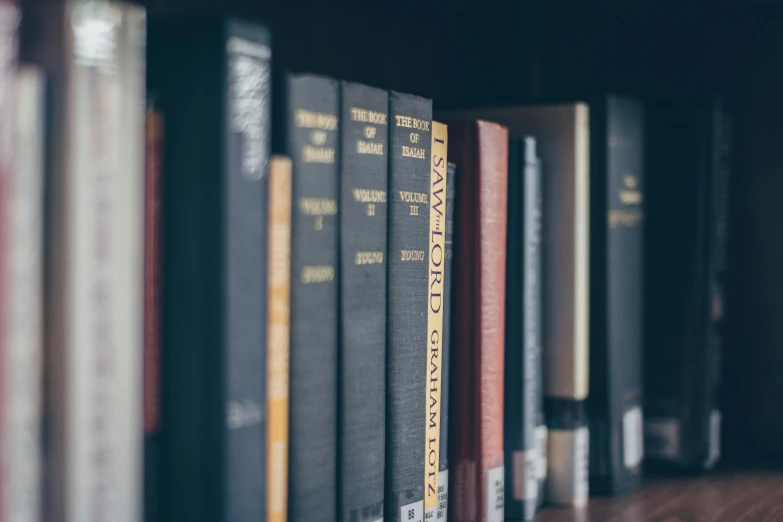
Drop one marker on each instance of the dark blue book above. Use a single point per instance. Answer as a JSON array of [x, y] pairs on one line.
[[211, 79]]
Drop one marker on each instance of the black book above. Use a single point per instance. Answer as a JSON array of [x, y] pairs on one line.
[[307, 131], [410, 138], [441, 514], [211, 79], [363, 216], [689, 165], [523, 368], [616, 296]]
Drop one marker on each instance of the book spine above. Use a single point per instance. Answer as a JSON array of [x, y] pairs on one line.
[[533, 306], [312, 135], [95, 273], [481, 148], [363, 261], [10, 15], [410, 144], [22, 340], [245, 189], [435, 310], [567, 363], [523, 330], [441, 514], [152, 313], [722, 146], [278, 336], [616, 296]]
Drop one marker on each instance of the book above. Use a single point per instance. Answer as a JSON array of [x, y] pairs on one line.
[[152, 311], [523, 330], [435, 310], [9, 45], [477, 478], [616, 296], [307, 121], [211, 76], [410, 144], [441, 514], [22, 341], [93, 55], [278, 336], [364, 181], [688, 164], [563, 138]]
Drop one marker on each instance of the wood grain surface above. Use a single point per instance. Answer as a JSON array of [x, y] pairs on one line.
[[721, 497]]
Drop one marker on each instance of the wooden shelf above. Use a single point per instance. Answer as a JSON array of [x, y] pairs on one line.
[[724, 496]]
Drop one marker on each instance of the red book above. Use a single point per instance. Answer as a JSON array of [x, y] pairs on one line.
[[152, 318], [480, 150]]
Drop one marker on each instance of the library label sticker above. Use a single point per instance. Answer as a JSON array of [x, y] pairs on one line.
[[633, 442], [413, 512], [443, 496], [495, 494]]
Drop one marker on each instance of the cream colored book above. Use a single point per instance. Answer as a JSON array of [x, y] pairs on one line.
[[94, 55]]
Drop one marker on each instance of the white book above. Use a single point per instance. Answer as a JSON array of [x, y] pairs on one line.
[[94, 54], [22, 332]]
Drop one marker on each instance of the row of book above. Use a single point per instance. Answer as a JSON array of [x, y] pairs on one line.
[[389, 319]]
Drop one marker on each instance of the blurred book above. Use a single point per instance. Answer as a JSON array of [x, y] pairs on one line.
[[689, 163]]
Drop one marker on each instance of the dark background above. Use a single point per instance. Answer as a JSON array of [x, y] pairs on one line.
[[486, 51]]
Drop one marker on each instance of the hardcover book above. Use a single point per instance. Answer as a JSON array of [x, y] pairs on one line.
[[22, 341], [523, 330], [363, 260], [9, 32], [477, 477], [435, 311], [563, 138], [93, 56], [441, 514], [410, 143], [307, 130], [212, 81], [152, 313], [616, 298], [689, 164], [278, 335]]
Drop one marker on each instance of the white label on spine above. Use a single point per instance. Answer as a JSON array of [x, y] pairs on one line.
[[495, 494], [413, 512], [443, 496], [541, 437], [581, 465], [662, 438], [633, 445], [714, 443]]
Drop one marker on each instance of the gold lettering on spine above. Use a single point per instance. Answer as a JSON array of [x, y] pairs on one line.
[[437, 199], [279, 318], [322, 124], [414, 137], [317, 274]]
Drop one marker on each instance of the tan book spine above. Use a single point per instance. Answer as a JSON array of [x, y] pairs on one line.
[[435, 306], [279, 324]]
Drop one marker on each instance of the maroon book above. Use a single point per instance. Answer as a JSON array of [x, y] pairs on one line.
[[152, 319], [480, 150]]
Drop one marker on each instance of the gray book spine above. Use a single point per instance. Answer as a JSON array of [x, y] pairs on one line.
[[309, 120], [441, 514], [363, 216], [244, 280], [410, 135]]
